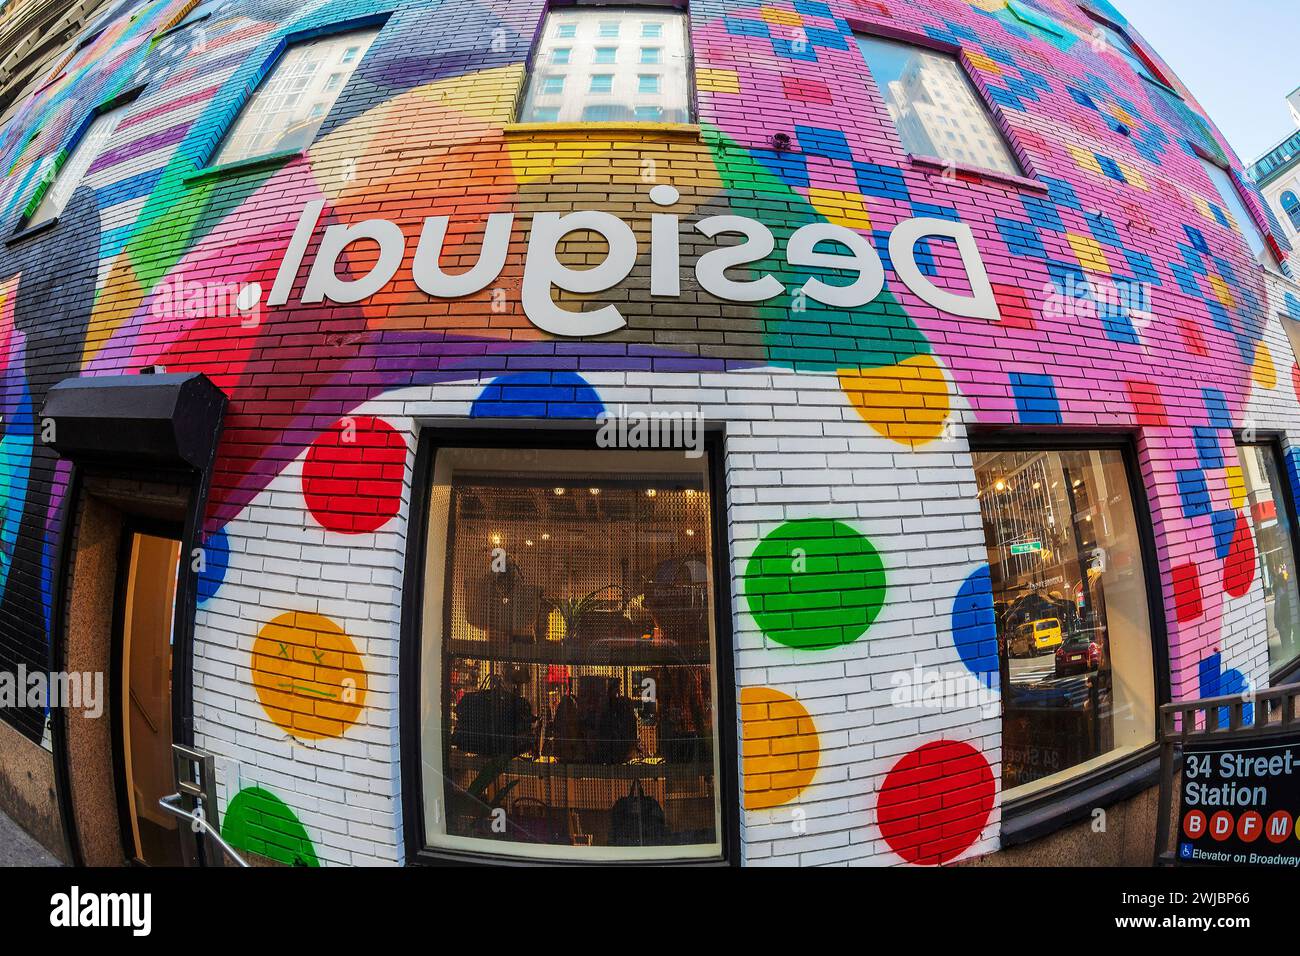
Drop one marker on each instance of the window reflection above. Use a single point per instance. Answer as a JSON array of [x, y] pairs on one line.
[[593, 68], [934, 107], [1071, 608], [292, 103], [1272, 527]]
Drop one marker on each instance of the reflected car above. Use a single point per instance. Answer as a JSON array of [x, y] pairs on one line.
[[1080, 653], [1036, 636]]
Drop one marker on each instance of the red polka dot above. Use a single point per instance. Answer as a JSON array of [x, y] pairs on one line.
[[935, 802], [352, 478], [1187, 593], [1239, 568]]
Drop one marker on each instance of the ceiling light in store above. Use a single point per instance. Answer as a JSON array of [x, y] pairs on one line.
[[1076, 483], [690, 532], [496, 538], [650, 493], [529, 542], [1037, 485], [546, 536], [999, 485], [594, 491]]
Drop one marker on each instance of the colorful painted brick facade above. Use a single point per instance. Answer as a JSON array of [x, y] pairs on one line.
[[844, 424]]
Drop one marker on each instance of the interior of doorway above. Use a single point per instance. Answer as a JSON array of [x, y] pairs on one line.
[[145, 616]]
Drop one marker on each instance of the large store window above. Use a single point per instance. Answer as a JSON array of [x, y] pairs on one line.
[[1267, 501], [1072, 611], [568, 661], [610, 64], [294, 99], [934, 106], [69, 176]]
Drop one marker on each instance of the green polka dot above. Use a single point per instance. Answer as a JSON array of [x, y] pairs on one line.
[[258, 821], [814, 584]]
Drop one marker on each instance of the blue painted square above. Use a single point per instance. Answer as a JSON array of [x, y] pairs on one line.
[[1197, 239], [1006, 98], [1143, 268], [813, 8], [746, 28], [1223, 523], [1103, 230], [1022, 239], [1082, 98], [1061, 193], [794, 51], [1110, 168], [827, 39], [1194, 493], [1036, 400], [883, 181], [790, 168], [1209, 446], [1216, 408], [817, 141]]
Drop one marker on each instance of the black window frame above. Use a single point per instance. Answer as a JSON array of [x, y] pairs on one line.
[[1276, 441], [1053, 808], [429, 441]]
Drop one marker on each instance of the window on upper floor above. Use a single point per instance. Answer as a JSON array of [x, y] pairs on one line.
[[1241, 218], [614, 65], [935, 107], [295, 97], [72, 170], [1112, 38], [1291, 206]]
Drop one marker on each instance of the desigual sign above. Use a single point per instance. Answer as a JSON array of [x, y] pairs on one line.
[[544, 273]]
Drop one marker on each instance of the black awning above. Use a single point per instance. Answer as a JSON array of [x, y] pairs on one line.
[[162, 420]]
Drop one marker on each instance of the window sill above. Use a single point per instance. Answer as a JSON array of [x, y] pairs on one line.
[[1032, 817], [243, 165], [684, 130], [934, 163], [30, 232]]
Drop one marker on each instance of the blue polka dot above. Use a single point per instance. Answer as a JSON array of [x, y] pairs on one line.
[[216, 559], [974, 626], [537, 395]]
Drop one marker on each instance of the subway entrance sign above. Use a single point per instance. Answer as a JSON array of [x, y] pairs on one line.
[[1238, 804]]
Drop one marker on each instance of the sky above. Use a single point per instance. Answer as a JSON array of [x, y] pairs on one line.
[[1239, 58]]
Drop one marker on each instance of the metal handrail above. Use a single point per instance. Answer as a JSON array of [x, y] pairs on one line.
[[167, 804]]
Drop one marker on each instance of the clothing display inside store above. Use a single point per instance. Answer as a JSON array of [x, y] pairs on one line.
[[577, 697]]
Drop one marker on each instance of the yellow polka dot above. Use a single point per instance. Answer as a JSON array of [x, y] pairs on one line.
[[907, 403], [841, 208], [1263, 373], [780, 749], [308, 676]]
